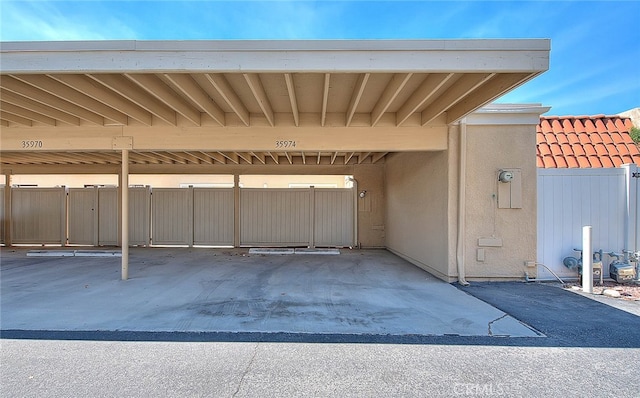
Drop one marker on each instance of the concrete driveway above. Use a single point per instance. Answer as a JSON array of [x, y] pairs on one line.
[[369, 292]]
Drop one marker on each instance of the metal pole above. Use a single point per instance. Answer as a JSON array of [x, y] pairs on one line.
[[587, 260], [124, 189]]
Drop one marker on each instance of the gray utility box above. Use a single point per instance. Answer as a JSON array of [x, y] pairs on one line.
[[622, 273]]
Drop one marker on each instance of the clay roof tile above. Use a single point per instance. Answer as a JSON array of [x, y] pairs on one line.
[[606, 162], [544, 150], [567, 125], [589, 126], [539, 162], [601, 150], [595, 162], [545, 126], [578, 150], [578, 126], [549, 163], [562, 138], [561, 162], [555, 149], [550, 138], [584, 162], [573, 138], [600, 127], [595, 138], [572, 162], [606, 138], [585, 141]]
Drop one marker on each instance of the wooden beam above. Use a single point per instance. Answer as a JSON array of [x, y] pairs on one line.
[[15, 118], [223, 88], [237, 139], [232, 156], [333, 157], [363, 156], [24, 102], [375, 158], [492, 89], [245, 156], [131, 92], [191, 89], [26, 90], [291, 89], [253, 80], [73, 96], [151, 158], [204, 158], [260, 156], [461, 88], [427, 89], [217, 156], [274, 156], [100, 93], [325, 99], [288, 155], [156, 87], [395, 86], [319, 157], [26, 113], [304, 158], [356, 96], [348, 156]]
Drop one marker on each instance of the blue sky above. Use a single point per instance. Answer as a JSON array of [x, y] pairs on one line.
[[595, 56]]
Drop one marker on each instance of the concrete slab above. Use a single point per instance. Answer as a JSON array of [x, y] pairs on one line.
[[202, 290]]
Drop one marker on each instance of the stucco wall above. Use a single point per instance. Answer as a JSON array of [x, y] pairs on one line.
[[490, 149], [416, 209]]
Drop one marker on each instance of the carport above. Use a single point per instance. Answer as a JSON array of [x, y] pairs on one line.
[[409, 120]]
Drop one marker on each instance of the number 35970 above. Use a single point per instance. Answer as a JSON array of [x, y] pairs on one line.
[[32, 144]]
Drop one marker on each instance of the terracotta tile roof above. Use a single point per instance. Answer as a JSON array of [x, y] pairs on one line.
[[585, 142]]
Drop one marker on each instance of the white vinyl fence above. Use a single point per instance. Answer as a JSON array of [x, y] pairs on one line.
[[568, 199]]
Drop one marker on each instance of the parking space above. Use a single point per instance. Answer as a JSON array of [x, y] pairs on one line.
[[217, 290]]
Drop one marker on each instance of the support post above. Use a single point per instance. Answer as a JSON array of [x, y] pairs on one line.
[[236, 210], [124, 211], [7, 210], [587, 260]]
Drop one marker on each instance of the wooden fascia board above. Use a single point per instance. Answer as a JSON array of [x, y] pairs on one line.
[[238, 139]]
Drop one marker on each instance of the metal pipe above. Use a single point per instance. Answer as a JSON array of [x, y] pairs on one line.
[[587, 260], [124, 187], [460, 252]]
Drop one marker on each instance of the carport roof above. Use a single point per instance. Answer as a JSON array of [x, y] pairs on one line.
[[354, 100]]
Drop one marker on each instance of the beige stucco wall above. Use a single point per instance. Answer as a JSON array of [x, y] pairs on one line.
[[416, 209], [490, 149], [422, 203]]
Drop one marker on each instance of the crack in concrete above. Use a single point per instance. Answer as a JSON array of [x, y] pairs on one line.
[[246, 370], [495, 320]]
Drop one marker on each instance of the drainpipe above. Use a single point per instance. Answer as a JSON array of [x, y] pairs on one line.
[[460, 257]]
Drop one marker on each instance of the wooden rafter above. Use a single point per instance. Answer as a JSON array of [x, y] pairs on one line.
[[129, 90], [356, 96], [98, 92], [156, 87], [395, 86], [194, 92], [422, 94], [253, 80], [291, 89], [225, 90], [462, 87]]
